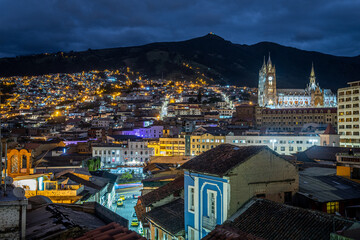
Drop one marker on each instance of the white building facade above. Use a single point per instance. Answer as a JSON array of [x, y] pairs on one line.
[[132, 154], [282, 144], [348, 115]]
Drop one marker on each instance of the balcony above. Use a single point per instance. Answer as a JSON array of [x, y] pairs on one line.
[[208, 222]]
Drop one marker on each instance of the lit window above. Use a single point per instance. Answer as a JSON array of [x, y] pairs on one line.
[[332, 207]]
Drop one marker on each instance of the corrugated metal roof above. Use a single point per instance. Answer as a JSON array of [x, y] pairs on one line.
[[328, 188]]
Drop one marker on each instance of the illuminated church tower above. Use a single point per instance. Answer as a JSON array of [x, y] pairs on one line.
[[310, 97], [267, 85], [317, 95]]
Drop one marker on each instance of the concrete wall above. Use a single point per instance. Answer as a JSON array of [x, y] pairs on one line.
[[264, 173], [13, 219], [9, 223]]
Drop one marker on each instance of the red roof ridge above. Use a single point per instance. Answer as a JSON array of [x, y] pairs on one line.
[[111, 231], [329, 130]]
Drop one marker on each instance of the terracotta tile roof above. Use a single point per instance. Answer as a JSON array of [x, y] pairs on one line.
[[170, 217], [162, 178], [112, 231], [329, 129], [270, 220], [222, 232], [82, 181], [223, 158], [175, 187]]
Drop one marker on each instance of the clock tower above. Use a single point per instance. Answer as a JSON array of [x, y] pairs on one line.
[[270, 97]]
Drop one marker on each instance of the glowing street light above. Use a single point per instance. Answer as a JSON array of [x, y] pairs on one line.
[[273, 141]]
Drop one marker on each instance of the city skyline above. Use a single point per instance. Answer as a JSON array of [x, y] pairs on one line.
[[201, 139]]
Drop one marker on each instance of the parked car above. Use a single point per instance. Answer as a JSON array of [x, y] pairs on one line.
[[135, 222], [120, 203]]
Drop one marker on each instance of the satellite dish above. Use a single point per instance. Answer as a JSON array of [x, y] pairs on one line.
[[19, 192], [8, 180]]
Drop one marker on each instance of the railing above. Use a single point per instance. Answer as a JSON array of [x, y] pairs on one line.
[[52, 193], [209, 222]]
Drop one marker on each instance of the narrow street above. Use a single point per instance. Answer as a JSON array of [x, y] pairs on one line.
[[127, 210]]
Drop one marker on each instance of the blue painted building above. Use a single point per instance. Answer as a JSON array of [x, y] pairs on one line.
[[218, 182], [206, 201]]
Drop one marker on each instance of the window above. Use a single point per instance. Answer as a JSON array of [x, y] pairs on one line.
[[332, 207], [191, 233], [156, 233], [191, 199], [287, 197], [211, 203], [282, 149]]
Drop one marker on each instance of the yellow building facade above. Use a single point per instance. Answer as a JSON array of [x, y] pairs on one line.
[[168, 147], [59, 191], [204, 142], [348, 166]]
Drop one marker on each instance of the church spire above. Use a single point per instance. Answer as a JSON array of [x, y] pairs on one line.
[[312, 75], [269, 64], [263, 67]]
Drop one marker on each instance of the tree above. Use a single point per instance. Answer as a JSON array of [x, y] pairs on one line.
[[126, 176], [93, 164]]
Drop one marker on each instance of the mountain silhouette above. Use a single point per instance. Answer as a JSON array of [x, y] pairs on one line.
[[210, 57]]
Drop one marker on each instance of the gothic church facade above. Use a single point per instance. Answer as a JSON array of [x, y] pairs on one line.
[[310, 97]]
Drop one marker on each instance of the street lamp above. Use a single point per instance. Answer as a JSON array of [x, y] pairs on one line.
[[273, 141]]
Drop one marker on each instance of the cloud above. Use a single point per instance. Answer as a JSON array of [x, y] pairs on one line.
[[37, 26]]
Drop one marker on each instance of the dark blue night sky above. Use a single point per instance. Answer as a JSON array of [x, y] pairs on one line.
[[36, 26]]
